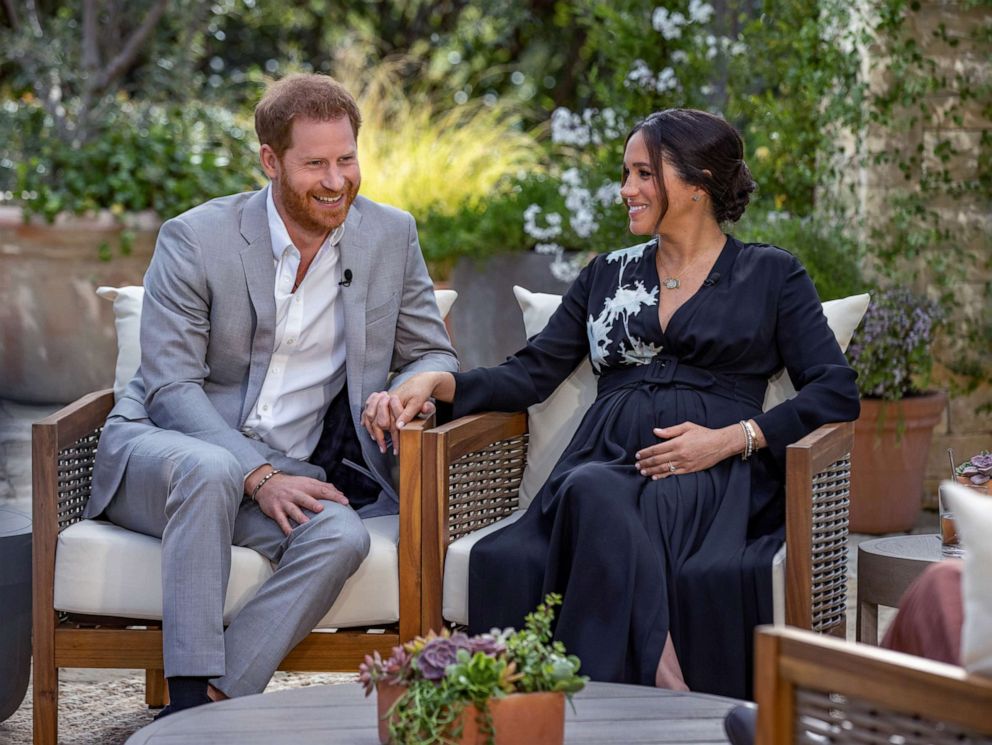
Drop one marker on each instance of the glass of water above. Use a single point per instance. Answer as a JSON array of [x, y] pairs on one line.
[[950, 543]]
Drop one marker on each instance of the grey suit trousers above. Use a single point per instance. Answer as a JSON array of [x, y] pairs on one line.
[[190, 494]]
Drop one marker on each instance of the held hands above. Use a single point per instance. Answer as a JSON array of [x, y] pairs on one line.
[[389, 411], [283, 497], [687, 448]]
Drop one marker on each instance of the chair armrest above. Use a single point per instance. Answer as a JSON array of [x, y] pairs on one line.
[[411, 537], [478, 462], [817, 489], [810, 687], [471, 476], [63, 448]]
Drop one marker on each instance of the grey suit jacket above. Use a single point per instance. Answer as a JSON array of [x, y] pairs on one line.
[[208, 329]]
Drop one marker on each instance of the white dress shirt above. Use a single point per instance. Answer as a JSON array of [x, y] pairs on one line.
[[307, 369]]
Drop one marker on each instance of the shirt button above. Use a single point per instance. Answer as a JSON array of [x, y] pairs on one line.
[[275, 369], [265, 407], [290, 341]]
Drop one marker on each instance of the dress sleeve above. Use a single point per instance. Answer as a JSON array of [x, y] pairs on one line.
[[533, 373], [824, 380]]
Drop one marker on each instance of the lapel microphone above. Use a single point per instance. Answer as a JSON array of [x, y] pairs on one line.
[[711, 280], [346, 282]]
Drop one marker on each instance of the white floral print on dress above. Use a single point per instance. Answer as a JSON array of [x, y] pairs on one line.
[[626, 302]]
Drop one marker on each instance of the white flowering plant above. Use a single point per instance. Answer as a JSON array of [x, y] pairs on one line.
[[658, 57]]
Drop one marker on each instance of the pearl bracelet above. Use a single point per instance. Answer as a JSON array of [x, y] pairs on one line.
[[260, 484], [749, 439]]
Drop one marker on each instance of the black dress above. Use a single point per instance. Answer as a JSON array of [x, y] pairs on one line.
[[690, 554]]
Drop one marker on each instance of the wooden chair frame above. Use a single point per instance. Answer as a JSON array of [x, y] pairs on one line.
[[472, 472], [63, 450], [814, 689]]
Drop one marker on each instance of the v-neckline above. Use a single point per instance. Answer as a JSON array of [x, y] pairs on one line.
[[654, 263]]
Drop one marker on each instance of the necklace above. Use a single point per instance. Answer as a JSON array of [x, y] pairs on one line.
[[672, 282]]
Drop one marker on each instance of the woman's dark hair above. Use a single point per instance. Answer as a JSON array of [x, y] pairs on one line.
[[695, 143]]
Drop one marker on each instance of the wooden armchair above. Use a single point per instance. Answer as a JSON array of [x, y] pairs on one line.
[[811, 689], [63, 450], [472, 472]]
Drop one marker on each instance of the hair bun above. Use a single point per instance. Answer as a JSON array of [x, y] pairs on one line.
[[731, 206]]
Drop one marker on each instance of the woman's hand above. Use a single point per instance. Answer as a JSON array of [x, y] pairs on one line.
[[391, 410], [688, 448]]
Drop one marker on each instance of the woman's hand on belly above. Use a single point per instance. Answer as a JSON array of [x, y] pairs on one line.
[[687, 448]]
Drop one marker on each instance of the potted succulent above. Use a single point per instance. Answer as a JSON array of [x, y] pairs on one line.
[[976, 472], [891, 353], [498, 688]]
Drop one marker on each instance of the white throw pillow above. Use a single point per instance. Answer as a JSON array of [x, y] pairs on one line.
[[973, 515], [553, 422], [127, 319]]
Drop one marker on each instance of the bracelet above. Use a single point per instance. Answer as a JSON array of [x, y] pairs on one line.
[[749, 439], [260, 484]]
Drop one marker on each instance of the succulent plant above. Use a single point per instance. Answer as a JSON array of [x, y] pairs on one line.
[[445, 672], [977, 469]]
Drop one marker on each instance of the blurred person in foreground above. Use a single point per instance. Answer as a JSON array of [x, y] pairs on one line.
[[269, 318], [660, 520]]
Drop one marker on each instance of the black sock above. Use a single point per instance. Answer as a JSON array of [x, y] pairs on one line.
[[186, 692]]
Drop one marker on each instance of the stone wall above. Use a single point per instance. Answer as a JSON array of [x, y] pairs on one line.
[[943, 31]]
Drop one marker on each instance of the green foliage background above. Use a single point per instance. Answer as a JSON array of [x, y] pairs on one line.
[[174, 129]]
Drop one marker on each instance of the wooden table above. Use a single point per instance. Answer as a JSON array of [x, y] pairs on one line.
[[886, 567], [341, 715]]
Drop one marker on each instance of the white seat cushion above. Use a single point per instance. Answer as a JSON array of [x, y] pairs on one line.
[[454, 606], [455, 603], [103, 569]]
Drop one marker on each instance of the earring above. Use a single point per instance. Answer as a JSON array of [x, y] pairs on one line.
[[696, 197]]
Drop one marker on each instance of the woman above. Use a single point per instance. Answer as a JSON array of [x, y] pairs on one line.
[[660, 520]]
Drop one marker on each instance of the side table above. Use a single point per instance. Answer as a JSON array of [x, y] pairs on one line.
[[886, 568], [15, 608]]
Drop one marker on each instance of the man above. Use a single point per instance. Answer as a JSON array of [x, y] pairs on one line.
[[268, 319]]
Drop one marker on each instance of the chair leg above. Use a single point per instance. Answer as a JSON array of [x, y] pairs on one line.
[[156, 691], [45, 696]]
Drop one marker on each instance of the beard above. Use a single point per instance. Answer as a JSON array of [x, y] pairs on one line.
[[301, 209]]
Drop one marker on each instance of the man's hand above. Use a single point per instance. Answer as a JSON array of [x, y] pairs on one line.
[[283, 497], [379, 417], [688, 448], [389, 411]]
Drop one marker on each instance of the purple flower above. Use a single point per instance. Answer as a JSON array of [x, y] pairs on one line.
[[435, 657]]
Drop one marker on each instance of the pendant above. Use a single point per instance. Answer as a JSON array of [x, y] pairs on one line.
[[671, 283]]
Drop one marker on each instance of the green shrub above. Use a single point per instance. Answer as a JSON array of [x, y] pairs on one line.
[[147, 157], [832, 259]]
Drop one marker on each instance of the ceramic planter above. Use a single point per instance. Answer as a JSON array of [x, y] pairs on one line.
[[57, 337], [891, 442], [985, 489], [532, 718]]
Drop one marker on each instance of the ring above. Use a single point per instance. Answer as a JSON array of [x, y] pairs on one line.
[[671, 467]]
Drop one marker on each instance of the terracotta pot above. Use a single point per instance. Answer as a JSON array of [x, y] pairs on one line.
[[985, 488], [532, 718], [891, 443], [57, 337]]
